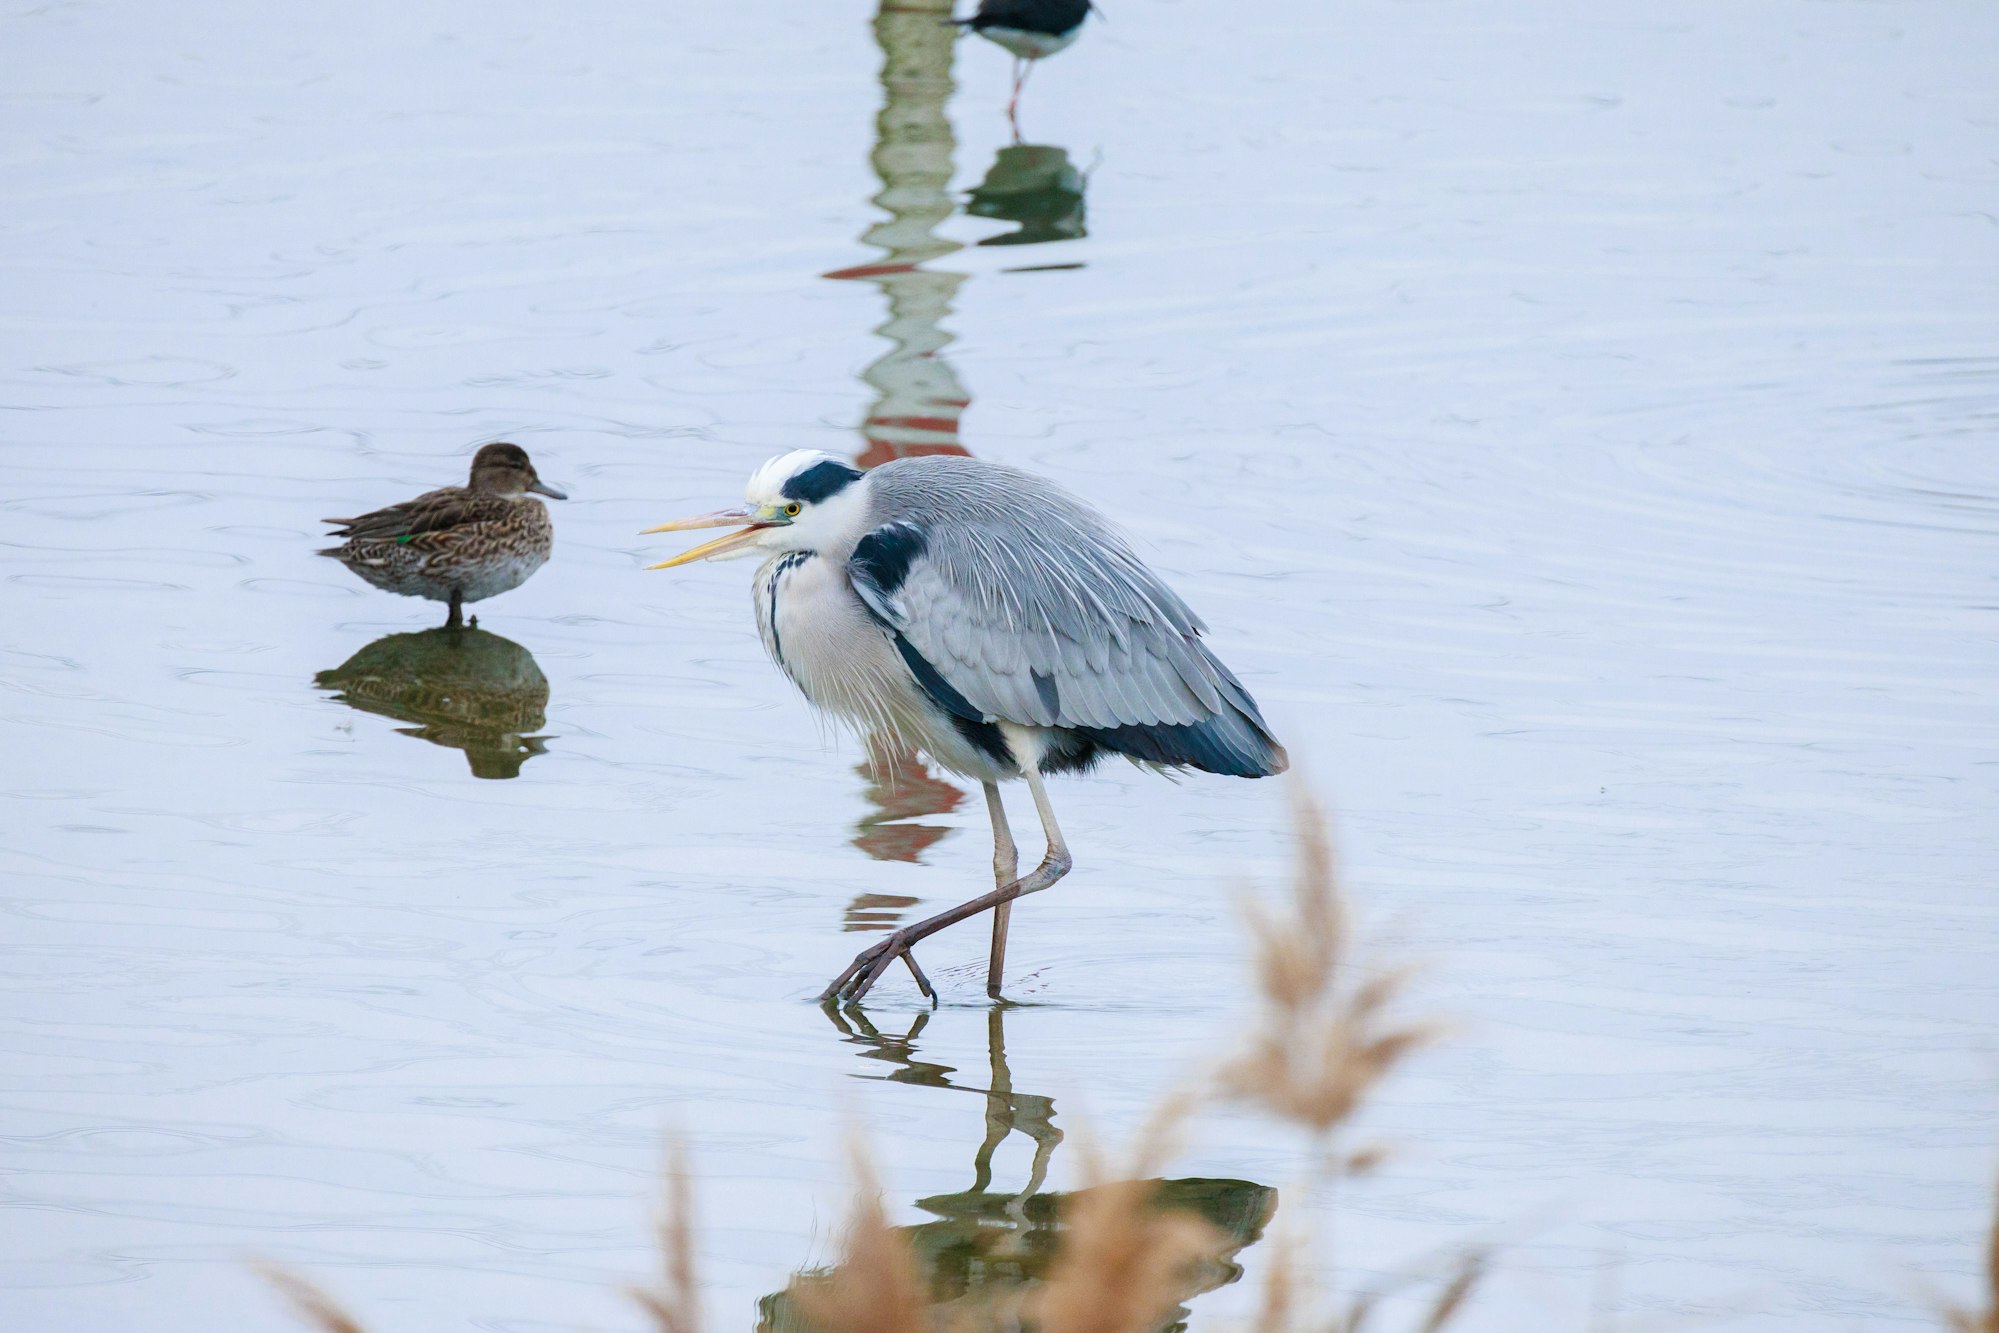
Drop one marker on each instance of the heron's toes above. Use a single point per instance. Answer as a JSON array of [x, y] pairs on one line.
[[852, 985]]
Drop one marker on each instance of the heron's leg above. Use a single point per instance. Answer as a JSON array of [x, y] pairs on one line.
[[868, 966], [1020, 68], [1006, 869], [455, 619]]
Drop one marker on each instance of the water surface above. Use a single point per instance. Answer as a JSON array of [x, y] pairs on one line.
[[1576, 426]]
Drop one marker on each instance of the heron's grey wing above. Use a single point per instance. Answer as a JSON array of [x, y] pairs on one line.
[[1029, 608]]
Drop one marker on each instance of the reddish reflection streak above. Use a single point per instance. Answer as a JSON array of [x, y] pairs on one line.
[[918, 396]]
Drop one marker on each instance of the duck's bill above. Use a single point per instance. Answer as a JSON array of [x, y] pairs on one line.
[[721, 518], [540, 487]]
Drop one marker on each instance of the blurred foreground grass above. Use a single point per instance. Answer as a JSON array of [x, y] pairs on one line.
[[1125, 1252]]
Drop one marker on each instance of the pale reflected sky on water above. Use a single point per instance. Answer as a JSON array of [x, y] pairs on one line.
[[1577, 428]]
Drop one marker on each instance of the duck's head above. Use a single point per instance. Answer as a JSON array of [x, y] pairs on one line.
[[504, 469]]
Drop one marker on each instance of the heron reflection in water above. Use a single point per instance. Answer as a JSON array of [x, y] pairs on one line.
[[985, 1246], [466, 689], [919, 397]]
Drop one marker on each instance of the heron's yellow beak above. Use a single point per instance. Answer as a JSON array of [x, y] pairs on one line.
[[721, 518]]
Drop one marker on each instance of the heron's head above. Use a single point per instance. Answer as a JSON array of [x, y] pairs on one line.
[[796, 502]]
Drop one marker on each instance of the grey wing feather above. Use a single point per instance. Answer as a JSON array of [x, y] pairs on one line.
[[1032, 607]]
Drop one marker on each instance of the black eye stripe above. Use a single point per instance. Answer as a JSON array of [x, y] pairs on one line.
[[819, 481]]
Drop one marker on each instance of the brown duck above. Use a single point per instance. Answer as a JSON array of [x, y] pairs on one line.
[[459, 544]]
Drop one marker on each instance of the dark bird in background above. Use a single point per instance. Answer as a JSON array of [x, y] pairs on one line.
[[1030, 29], [459, 544]]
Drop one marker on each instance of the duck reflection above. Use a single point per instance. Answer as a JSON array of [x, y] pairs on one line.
[[1036, 186], [467, 689], [988, 1247]]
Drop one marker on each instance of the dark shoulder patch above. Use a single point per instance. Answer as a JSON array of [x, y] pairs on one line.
[[884, 556], [821, 480]]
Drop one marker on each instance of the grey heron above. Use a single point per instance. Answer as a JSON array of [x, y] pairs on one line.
[[986, 617]]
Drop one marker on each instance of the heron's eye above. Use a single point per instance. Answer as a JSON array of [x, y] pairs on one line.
[[791, 510]]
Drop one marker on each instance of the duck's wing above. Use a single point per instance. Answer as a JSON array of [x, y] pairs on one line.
[[434, 511]]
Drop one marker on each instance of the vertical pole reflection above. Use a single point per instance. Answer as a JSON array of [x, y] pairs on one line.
[[918, 398]]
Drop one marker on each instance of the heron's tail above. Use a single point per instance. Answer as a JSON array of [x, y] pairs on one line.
[[1233, 745], [1234, 742]]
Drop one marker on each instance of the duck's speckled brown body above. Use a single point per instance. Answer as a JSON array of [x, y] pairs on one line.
[[461, 543]]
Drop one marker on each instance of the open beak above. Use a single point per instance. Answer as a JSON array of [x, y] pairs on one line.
[[721, 518], [540, 487]]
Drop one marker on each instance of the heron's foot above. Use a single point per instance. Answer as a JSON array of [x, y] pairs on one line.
[[852, 985]]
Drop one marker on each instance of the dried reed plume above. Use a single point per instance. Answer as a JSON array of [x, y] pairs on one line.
[[1963, 1319], [1321, 1042], [675, 1304], [314, 1306], [876, 1287]]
